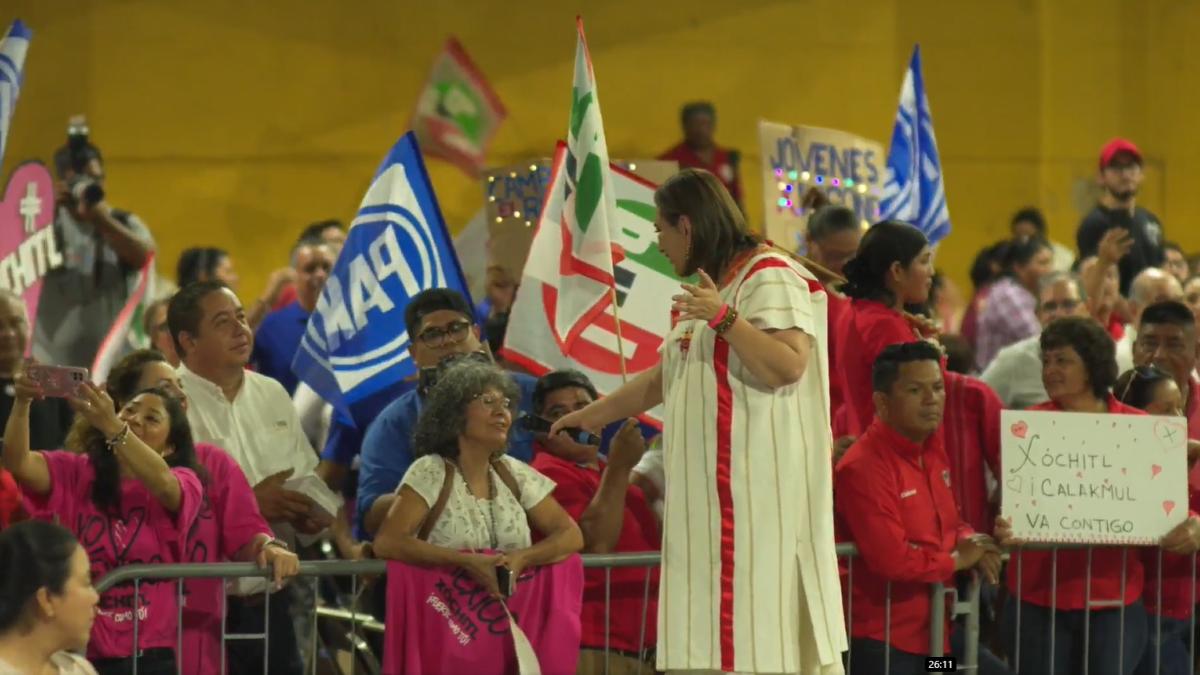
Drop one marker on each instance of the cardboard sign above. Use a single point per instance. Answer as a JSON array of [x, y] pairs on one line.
[[848, 168], [28, 248], [513, 197], [1093, 478]]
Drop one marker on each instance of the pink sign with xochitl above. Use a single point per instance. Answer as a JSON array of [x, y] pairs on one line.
[[28, 249]]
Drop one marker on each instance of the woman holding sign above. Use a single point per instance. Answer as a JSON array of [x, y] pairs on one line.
[[1048, 627], [749, 579]]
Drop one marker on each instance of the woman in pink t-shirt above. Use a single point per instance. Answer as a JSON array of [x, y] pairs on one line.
[[229, 525], [131, 499]]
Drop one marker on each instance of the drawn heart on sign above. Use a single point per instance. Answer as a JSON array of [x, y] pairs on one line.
[[1071, 507], [1019, 429], [1155, 470], [1168, 506], [1033, 501], [27, 249], [1079, 475], [1123, 470], [1014, 483]]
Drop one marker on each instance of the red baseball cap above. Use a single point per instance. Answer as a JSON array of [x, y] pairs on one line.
[[1118, 145]]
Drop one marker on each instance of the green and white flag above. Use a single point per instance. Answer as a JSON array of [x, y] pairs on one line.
[[458, 112], [585, 210], [644, 281]]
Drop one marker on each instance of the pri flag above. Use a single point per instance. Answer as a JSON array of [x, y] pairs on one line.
[[584, 209], [458, 112], [645, 282], [356, 344], [915, 192], [12, 63]]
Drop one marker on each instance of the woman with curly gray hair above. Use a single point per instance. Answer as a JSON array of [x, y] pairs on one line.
[[463, 495]]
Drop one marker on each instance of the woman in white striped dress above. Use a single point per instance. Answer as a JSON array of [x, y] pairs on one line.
[[749, 570]]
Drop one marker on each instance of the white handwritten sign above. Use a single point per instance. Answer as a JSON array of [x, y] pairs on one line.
[[1095, 479]]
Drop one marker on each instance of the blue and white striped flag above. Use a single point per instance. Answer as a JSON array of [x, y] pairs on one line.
[[914, 191], [12, 63], [356, 345]]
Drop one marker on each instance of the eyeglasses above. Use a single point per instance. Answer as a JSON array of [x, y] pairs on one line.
[[1152, 346], [495, 401], [1064, 305], [440, 337]]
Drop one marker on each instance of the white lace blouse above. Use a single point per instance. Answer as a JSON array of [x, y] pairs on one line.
[[467, 521]]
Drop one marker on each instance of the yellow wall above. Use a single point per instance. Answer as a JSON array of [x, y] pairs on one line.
[[236, 123]]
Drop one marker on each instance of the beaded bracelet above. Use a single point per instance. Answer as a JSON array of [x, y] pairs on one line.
[[113, 442], [727, 322]]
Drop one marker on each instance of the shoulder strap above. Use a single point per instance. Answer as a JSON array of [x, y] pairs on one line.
[[506, 476], [435, 511]]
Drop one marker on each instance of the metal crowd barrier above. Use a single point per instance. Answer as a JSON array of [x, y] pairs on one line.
[[363, 627]]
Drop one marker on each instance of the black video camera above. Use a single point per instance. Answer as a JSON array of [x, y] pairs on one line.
[[541, 425], [83, 188]]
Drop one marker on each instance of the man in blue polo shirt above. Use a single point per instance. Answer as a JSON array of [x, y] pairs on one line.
[[439, 322], [278, 337]]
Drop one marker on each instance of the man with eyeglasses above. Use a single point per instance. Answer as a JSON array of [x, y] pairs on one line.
[[440, 321], [1138, 231], [1166, 339], [1016, 372]]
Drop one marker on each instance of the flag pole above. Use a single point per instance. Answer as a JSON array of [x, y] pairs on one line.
[[620, 340]]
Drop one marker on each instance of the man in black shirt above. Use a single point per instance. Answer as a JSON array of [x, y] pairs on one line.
[[1120, 176], [50, 418]]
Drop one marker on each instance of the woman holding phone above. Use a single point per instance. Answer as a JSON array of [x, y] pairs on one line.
[[130, 499], [488, 501], [228, 527]]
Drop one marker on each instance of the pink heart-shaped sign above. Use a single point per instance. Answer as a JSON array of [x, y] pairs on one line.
[[1155, 470], [1168, 506], [27, 246], [1019, 429]]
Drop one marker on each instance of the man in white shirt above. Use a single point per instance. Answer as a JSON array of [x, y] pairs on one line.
[[251, 417], [1016, 372]]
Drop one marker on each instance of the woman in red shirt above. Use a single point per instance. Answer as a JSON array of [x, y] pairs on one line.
[[1048, 627], [893, 268]]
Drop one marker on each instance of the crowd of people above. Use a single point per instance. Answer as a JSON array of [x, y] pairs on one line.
[[837, 396]]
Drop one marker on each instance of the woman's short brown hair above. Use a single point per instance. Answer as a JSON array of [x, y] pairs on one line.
[[1092, 343], [718, 226]]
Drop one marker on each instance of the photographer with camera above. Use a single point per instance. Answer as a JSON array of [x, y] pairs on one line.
[[103, 250]]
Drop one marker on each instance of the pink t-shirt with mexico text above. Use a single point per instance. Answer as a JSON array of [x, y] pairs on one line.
[[228, 520], [143, 532]]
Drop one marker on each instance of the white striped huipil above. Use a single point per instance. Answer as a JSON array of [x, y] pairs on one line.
[[750, 580]]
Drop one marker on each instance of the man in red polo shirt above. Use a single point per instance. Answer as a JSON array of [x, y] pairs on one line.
[[700, 150], [895, 501], [614, 517], [1166, 338]]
